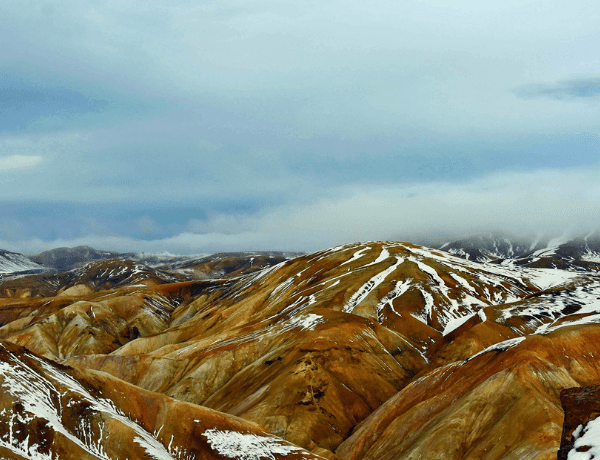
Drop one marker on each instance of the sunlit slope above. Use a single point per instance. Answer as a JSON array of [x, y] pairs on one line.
[[94, 309], [313, 348], [501, 404], [498, 398]]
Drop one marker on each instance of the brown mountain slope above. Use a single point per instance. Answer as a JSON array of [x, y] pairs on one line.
[[350, 325], [50, 411], [367, 350], [503, 401], [498, 405]]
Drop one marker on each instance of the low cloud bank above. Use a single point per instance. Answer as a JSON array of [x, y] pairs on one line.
[[544, 201]]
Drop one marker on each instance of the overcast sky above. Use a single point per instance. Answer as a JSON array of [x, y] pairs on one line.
[[194, 127]]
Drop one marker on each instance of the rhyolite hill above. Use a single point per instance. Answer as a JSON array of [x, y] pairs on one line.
[[378, 350]]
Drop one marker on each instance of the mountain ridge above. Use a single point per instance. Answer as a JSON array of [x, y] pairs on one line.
[[377, 350]]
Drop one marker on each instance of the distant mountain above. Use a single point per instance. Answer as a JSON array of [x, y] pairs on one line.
[[159, 260], [229, 264], [15, 263], [486, 247], [580, 252], [64, 259], [195, 266]]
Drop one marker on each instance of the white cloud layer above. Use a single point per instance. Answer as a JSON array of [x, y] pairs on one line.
[[293, 125], [19, 162], [543, 201]]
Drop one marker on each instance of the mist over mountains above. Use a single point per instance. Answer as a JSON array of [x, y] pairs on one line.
[[534, 249]]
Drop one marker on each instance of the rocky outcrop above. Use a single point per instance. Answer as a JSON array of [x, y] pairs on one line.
[[582, 420]]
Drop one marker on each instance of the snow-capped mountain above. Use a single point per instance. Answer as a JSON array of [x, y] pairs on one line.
[[581, 252], [486, 247], [14, 263]]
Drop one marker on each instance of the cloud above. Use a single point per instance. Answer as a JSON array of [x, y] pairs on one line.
[[582, 88], [303, 118], [546, 201], [19, 162]]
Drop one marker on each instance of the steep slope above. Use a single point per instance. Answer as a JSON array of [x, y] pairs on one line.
[[581, 430], [15, 263], [457, 409], [501, 404], [50, 411]]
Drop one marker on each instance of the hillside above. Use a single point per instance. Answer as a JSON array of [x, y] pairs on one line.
[[15, 263], [378, 350]]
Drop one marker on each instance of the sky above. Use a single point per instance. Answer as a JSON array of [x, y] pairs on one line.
[[205, 126]]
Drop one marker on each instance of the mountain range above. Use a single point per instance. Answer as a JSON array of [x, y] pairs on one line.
[[474, 349]]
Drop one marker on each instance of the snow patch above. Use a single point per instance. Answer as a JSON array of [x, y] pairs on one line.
[[232, 444], [586, 437], [400, 288], [309, 321], [41, 398], [501, 346], [366, 289], [455, 323], [357, 255]]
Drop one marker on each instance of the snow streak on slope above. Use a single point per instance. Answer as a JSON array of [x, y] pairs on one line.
[[37, 394], [451, 296], [400, 288], [42, 397], [309, 321], [357, 255], [232, 444], [453, 312], [543, 278], [380, 258], [500, 346], [553, 310], [366, 289], [12, 262], [425, 315]]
